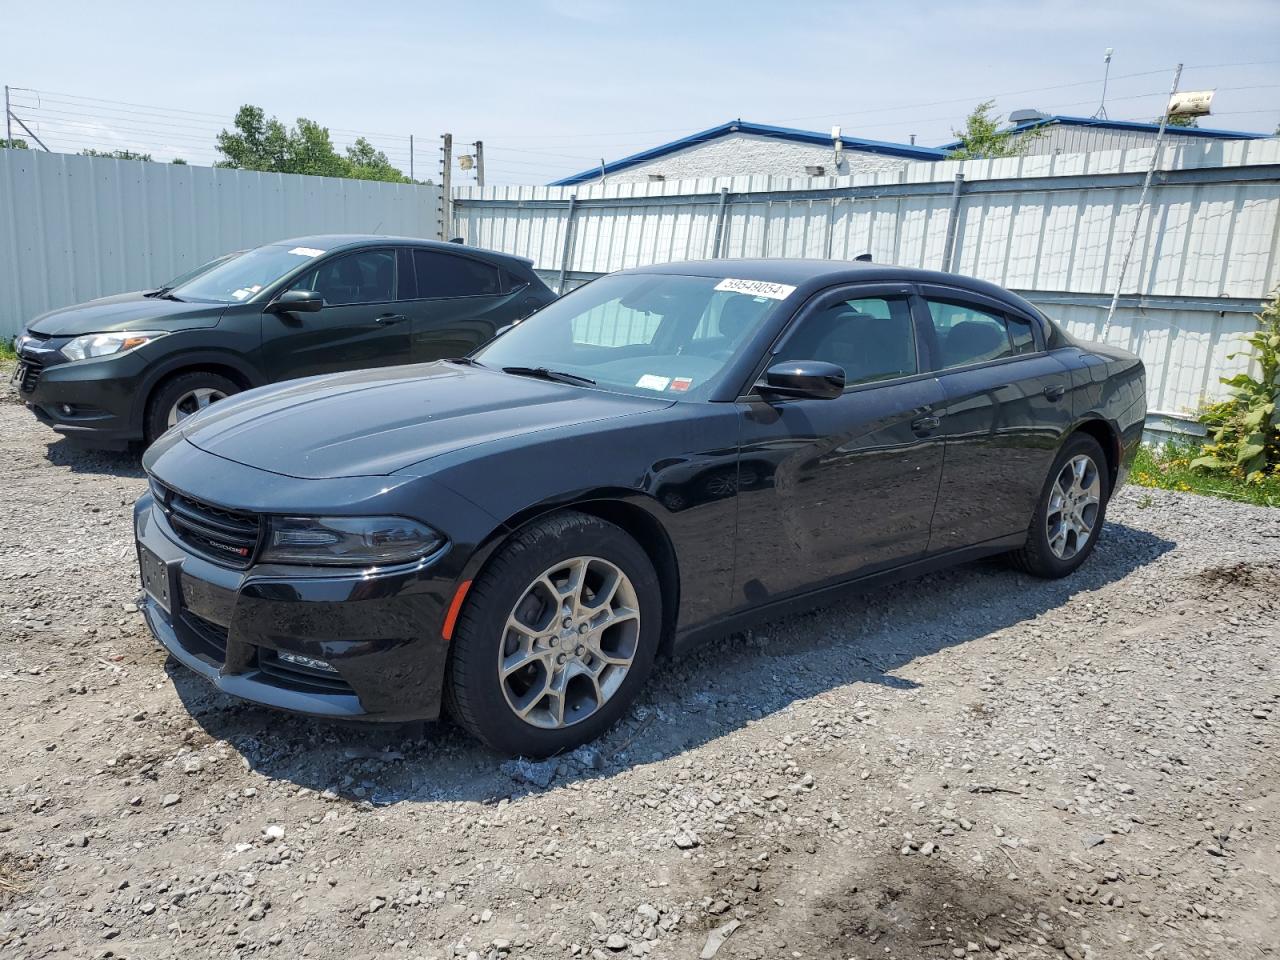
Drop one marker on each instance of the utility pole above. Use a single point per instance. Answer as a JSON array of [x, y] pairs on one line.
[[8, 119], [1142, 197], [1101, 112], [411, 156], [446, 186], [479, 145]]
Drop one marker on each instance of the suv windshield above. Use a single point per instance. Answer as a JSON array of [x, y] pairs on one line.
[[638, 333], [243, 277]]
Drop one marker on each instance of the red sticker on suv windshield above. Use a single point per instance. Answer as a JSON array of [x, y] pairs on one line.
[[681, 384]]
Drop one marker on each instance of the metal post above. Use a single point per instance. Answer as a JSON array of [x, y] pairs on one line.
[[602, 169], [568, 244], [1142, 196], [721, 210], [953, 225], [479, 163], [446, 187], [411, 156], [8, 119]]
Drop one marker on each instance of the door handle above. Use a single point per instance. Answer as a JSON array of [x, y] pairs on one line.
[[387, 319], [1055, 391], [926, 424]]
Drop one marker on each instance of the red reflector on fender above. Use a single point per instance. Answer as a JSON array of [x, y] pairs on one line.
[[455, 607]]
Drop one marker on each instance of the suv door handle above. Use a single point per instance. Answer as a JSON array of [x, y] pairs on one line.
[[389, 318], [926, 424], [1055, 391]]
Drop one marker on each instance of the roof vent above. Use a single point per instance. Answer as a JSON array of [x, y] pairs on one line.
[[657, 177], [1026, 116], [816, 171]]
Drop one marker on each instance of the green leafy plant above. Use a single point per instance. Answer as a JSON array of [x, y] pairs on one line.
[[982, 137], [1245, 428], [264, 143]]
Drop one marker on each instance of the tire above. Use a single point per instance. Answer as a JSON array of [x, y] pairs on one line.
[[184, 387], [550, 648], [1044, 555]]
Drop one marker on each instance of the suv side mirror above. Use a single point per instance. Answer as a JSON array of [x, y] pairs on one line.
[[297, 301], [812, 379]]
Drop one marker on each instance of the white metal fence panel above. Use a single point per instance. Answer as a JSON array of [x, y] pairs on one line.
[[1054, 228], [73, 228]]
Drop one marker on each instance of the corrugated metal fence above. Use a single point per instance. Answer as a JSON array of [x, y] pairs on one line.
[[73, 228], [1054, 228]]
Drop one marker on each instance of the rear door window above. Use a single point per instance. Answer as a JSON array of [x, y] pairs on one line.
[[967, 334], [442, 275]]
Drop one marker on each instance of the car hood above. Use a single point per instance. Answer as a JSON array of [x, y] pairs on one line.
[[375, 422], [126, 311]]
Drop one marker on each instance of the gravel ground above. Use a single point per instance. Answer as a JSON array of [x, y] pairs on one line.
[[976, 763]]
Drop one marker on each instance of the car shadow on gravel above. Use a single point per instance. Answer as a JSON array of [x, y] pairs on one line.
[[82, 459], [720, 688]]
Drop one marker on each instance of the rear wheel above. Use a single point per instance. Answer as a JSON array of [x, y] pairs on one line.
[[556, 637], [184, 395], [1070, 513]]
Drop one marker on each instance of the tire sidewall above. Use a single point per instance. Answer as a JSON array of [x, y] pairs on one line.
[[482, 626], [1079, 444]]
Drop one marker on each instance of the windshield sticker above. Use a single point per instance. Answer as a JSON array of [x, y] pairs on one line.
[[306, 252], [758, 288], [651, 382], [681, 384], [241, 293]]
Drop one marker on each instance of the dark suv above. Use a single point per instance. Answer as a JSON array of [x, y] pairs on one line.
[[127, 368]]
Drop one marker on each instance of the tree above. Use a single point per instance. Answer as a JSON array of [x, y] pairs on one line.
[[1180, 120], [115, 154], [179, 161], [17, 143], [262, 143], [982, 137]]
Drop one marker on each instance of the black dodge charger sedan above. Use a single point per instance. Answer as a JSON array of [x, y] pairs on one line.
[[657, 457], [128, 367]]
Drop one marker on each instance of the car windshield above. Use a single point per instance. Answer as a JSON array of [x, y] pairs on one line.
[[203, 268], [640, 333], [243, 277]]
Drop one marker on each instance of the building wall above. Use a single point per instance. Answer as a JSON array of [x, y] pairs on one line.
[[746, 154], [1065, 138]]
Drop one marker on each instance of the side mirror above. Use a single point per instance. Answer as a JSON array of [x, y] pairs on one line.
[[297, 301], [812, 379]]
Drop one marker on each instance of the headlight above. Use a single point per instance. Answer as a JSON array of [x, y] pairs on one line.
[[350, 541], [105, 344]]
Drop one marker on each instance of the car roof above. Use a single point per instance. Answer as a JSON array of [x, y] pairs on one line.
[[329, 242], [808, 275]]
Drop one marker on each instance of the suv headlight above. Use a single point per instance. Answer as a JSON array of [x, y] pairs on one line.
[[105, 344], [349, 541]]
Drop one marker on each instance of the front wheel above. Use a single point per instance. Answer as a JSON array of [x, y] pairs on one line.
[[1070, 513], [556, 637], [184, 395]]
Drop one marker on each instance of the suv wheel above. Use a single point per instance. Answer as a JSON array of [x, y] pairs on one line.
[[1070, 513], [182, 396], [556, 637]]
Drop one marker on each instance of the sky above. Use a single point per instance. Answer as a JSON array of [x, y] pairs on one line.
[[553, 86]]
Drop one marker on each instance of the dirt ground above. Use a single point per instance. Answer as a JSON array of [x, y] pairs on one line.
[[976, 763]]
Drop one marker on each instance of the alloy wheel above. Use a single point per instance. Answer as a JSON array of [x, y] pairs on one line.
[[1074, 503], [569, 642], [193, 401]]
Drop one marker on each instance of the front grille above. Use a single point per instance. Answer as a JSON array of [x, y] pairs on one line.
[[30, 375], [298, 675], [229, 537]]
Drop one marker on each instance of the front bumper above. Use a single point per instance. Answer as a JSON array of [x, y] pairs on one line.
[[379, 631], [90, 399]]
